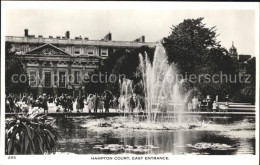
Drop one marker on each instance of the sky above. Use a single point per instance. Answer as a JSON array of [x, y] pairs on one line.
[[127, 25]]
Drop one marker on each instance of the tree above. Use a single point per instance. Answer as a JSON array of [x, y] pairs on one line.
[[247, 93], [188, 43], [13, 66], [218, 63], [194, 48]]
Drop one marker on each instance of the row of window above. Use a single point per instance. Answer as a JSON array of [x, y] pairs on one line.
[[89, 51], [61, 82]]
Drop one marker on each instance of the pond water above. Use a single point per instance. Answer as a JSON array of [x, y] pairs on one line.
[[221, 136]]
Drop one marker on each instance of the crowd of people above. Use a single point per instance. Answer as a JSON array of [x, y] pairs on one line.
[[15, 103], [94, 103], [205, 105], [62, 103], [130, 103]]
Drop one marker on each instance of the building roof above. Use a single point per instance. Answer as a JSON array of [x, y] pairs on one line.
[[68, 41]]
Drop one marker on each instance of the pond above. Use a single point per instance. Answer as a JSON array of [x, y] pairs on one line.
[[220, 136]]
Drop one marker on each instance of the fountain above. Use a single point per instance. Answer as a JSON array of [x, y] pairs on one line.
[[163, 87], [165, 99]]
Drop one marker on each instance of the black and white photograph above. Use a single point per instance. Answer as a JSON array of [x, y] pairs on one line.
[[130, 83]]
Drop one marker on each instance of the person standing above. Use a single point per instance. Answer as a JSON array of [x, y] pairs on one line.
[[85, 103], [51, 100], [94, 100], [214, 106], [81, 101], [131, 104], [70, 104], [123, 103], [45, 103], [209, 106], [56, 100], [194, 104], [78, 104], [227, 99], [100, 104], [136, 101], [106, 103], [59, 103], [115, 103], [90, 103], [65, 103]]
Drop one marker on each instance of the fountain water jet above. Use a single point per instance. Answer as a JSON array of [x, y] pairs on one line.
[[165, 99], [163, 87]]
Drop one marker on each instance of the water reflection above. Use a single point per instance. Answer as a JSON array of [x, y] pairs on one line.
[[237, 136]]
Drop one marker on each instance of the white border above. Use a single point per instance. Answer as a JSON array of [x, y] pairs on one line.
[[174, 159]]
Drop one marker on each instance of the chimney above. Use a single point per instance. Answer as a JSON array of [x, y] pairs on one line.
[[141, 39], [67, 34], [26, 32], [108, 37]]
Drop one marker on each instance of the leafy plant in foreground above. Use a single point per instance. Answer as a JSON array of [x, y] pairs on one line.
[[30, 134]]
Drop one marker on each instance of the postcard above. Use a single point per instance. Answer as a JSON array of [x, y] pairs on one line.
[[130, 83]]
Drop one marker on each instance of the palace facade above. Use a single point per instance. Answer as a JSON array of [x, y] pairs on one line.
[[50, 61]]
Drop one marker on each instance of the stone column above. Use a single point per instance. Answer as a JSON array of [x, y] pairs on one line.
[[40, 86], [70, 88], [55, 78], [69, 72]]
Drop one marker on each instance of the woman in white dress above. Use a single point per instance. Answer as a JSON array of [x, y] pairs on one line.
[[85, 104], [90, 103]]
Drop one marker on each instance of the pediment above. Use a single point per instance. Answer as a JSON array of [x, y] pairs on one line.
[[48, 50]]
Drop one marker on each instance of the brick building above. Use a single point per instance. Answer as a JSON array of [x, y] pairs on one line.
[[49, 61]]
